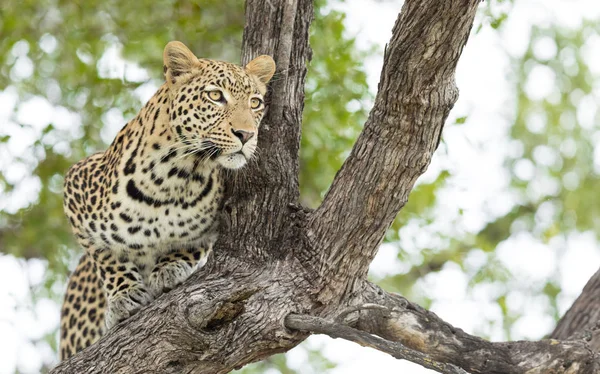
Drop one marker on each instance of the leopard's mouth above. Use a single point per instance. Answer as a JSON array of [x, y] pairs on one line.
[[212, 152], [233, 160]]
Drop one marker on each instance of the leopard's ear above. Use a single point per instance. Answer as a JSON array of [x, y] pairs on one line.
[[178, 60], [263, 67]]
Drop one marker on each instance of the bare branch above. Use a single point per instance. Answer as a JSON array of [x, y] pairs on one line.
[[397, 350], [416, 93], [424, 331]]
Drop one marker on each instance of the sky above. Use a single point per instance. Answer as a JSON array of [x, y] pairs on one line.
[[475, 154]]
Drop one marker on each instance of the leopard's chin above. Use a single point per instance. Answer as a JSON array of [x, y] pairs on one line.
[[232, 161]]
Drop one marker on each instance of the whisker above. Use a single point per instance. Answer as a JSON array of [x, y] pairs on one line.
[[212, 150], [174, 148]]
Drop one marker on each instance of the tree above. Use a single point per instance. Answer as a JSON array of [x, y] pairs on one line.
[[282, 270]]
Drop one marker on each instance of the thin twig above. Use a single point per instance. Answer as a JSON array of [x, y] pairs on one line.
[[357, 308]]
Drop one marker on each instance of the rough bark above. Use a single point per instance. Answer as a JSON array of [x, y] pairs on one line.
[[275, 259]]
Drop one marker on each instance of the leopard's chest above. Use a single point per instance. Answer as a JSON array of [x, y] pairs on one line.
[[142, 220]]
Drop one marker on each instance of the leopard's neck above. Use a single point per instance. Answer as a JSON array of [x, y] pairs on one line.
[[151, 164]]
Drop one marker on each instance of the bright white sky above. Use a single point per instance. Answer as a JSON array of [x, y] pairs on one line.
[[475, 152]]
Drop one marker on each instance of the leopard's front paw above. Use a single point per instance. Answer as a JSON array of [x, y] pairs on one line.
[[126, 303], [168, 276]]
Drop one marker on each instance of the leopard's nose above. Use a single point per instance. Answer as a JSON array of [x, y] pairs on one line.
[[243, 135]]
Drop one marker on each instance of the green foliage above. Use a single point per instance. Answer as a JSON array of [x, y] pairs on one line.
[[460, 120]]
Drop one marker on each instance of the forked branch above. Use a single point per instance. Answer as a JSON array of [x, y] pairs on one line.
[[416, 93]]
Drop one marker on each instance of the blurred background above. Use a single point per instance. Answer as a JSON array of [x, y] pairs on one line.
[[498, 237]]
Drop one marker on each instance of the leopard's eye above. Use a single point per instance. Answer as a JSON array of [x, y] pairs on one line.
[[216, 96], [255, 103]]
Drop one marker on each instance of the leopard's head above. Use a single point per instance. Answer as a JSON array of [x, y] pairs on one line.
[[216, 107]]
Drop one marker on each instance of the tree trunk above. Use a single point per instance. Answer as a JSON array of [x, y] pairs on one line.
[[277, 266]]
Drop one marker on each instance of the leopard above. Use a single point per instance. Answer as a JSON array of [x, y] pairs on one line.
[[145, 210]]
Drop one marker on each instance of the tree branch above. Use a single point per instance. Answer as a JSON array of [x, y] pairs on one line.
[[416, 92], [424, 331], [336, 330]]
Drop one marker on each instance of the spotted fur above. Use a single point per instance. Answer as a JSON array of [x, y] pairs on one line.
[[144, 210]]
